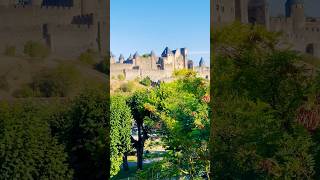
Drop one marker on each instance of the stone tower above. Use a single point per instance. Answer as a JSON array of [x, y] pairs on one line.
[[258, 12], [153, 57], [241, 10], [121, 59], [295, 10], [184, 53]]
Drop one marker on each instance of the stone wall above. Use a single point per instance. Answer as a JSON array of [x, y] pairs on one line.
[[20, 24], [71, 40], [18, 37]]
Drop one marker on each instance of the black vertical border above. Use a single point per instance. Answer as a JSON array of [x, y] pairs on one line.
[[107, 36], [212, 4]]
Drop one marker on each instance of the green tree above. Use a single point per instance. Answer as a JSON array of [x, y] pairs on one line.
[[27, 149], [87, 134], [181, 108], [257, 90], [120, 132], [142, 115]]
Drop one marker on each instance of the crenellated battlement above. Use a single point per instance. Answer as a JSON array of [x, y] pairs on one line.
[[302, 32]]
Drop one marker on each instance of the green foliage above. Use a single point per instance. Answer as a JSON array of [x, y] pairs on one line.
[[184, 119], [36, 50], [159, 170], [10, 51], [146, 55], [249, 142], [86, 133], [28, 151], [120, 132], [121, 77], [183, 73], [60, 81], [146, 81], [24, 92], [82, 125], [257, 90], [127, 87], [103, 66], [89, 57]]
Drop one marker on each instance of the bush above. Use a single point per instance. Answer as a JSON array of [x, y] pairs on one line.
[[121, 77], [183, 72], [10, 51], [61, 81], [24, 92], [146, 81], [86, 135], [127, 87], [57, 82], [102, 66], [88, 57], [36, 50], [27, 148]]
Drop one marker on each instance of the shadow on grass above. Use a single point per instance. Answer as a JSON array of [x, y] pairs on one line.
[[129, 175]]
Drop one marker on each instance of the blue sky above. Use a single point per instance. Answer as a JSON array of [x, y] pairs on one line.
[[145, 25]]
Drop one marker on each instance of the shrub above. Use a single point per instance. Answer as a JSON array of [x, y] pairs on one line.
[[24, 92], [146, 81], [36, 50], [10, 51], [88, 57], [27, 148], [57, 82], [61, 81], [121, 77], [127, 87], [102, 66], [183, 72]]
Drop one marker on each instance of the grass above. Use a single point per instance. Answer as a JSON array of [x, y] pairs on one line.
[[122, 175]]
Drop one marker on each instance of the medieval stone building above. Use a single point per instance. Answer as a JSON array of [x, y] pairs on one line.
[[156, 67], [302, 32], [67, 27]]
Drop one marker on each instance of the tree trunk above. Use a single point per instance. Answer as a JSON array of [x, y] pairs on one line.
[[125, 162], [140, 148]]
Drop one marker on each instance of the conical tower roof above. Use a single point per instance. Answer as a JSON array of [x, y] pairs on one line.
[[201, 62], [121, 57], [136, 55], [166, 51]]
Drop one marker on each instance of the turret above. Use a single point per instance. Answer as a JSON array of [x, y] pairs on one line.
[[258, 13], [184, 53], [153, 60], [201, 62], [112, 59], [121, 59], [166, 52], [129, 58], [153, 54], [135, 59], [295, 10]]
